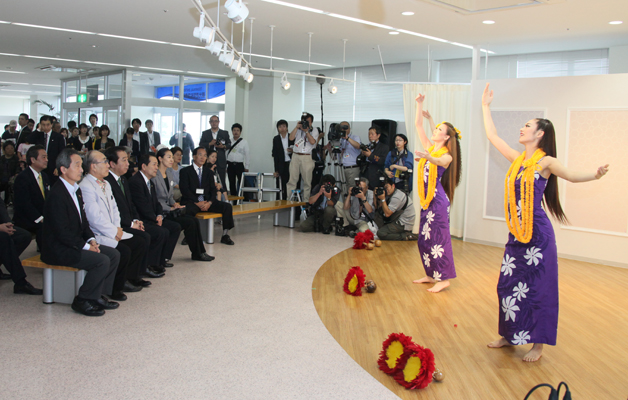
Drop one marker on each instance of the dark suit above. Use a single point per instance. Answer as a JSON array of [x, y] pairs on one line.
[[376, 163], [135, 148], [188, 183], [55, 145], [156, 139], [108, 144], [156, 235], [144, 144], [29, 202], [148, 208], [281, 165], [23, 136], [76, 144], [65, 232], [221, 136], [11, 246]]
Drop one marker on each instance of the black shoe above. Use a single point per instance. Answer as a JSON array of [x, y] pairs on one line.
[[106, 304], [4, 277], [118, 296], [129, 287], [412, 236], [352, 234], [150, 273], [226, 240], [87, 307], [203, 257], [327, 231], [159, 269], [184, 242], [26, 288], [168, 265], [140, 282]]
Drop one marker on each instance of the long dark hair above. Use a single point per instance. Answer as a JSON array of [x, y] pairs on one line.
[[451, 177], [395, 152], [548, 145]]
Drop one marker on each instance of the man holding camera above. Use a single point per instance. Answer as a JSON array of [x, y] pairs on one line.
[[358, 207], [302, 163], [375, 154], [322, 206], [395, 213], [350, 150]]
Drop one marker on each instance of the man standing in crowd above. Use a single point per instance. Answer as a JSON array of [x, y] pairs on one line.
[[302, 163], [13, 241], [154, 139], [11, 132], [187, 144], [217, 139], [376, 156], [104, 220], [322, 204], [350, 150], [158, 253], [68, 240], [282, 153], [144, 197], [395, 214], [53, 143], [198, 191], [140, 137], [358, 208], [238, 159], [25, 131], [31, 189]]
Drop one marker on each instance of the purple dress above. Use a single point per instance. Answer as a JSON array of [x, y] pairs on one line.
[[434, 236], [528, 283]]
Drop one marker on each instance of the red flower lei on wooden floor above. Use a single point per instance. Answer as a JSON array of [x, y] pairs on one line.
[[354, 282], [395, 353], [418, 369]]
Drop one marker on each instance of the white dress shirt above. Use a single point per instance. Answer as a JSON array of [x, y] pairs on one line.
[[240, 153]]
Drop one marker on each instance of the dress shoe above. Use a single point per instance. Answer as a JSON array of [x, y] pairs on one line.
[[160, 269], [26, 288], [118, 296], [327, 231], [87, 307], [168, 265], [4, 277], [203, 257], [152, 273], [184, 242], [129, 287], [106, 304], [140, 282], [226, 240]]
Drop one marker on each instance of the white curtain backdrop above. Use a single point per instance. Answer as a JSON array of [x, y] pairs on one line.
[[449, 103]]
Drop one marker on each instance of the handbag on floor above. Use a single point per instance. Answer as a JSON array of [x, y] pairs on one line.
[[554, 394]]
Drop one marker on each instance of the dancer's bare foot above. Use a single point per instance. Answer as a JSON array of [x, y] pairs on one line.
[[427, 279], [439, 286], [501, 342], [534, 354]]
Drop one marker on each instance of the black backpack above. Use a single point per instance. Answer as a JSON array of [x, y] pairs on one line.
[[554, 394]]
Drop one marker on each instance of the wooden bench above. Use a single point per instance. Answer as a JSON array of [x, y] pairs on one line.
[[61, 283], [283, 210], [231, 197]]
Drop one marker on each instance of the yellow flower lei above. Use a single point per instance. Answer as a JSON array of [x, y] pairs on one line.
[[431, 186], [521, 230]]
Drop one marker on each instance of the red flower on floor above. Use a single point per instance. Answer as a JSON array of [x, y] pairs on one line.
[[354, 282], [362, 238], [395, 353], [418, 369]]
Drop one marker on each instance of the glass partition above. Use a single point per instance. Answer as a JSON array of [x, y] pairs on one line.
[[114, 86]]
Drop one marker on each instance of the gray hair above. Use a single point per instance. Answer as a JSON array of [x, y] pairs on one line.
[[362, 179], [89, 160], [64, 159]]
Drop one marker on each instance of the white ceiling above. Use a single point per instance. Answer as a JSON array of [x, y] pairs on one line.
[[557, 25]]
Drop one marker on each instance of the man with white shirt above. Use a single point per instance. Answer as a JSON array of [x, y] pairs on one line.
[[154, 139], [104, 220], [30, 190], [140, 137], [302, 164], [53, 142], [238, 159], [68, 240]]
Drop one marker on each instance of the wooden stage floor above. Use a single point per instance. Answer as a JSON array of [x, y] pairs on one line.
[[591, 354]]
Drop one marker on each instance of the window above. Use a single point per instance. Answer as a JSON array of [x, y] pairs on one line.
[[565, 63]]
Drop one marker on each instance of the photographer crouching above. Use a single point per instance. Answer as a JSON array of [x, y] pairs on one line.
[[395, 213], [322, 210], [358, 208]]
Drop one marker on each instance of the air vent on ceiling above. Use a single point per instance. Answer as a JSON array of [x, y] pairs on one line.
[[468, 7], [57, 68]]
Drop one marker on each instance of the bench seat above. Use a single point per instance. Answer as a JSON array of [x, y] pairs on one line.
[[60, 283]]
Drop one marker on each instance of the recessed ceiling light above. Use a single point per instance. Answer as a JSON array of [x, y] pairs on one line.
[[93, 45], [407, 13], [616, 22], [393, 33], [488, 22]]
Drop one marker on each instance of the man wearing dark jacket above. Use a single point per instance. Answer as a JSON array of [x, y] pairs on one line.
[[376, 157], [217, 139], [68, 240], [282, 153], [53, 143]]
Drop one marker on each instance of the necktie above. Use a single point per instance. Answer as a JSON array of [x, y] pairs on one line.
[[41, 185], [122, 185], [46, 141], [148, 184], [200, 185]]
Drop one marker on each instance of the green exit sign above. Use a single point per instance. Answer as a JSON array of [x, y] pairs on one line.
[[82, 98]]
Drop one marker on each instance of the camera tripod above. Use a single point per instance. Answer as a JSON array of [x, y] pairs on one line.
[[334, 168]]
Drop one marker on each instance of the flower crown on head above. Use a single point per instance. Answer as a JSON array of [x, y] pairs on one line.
[[455, 129]]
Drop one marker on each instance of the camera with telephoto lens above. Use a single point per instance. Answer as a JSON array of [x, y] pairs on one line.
[[337, 132], [305, 123], [355, 191], [329, 188], [365, 147], [379, 190]]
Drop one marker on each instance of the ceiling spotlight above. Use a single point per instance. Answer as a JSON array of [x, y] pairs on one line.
[[407, 13], [245, 74], [235, 67], [214, 47], [202, 32], [237, 11], [249, 78], [332, 89], [228, 59], [285, 85], [393, 33], [488, 22], [616, 22]]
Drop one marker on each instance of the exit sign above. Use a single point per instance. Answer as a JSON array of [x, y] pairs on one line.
[[82, 98]]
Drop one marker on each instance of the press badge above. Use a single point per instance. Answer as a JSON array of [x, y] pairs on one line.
[[200, 191]]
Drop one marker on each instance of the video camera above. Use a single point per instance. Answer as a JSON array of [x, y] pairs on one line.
[[337, 131]]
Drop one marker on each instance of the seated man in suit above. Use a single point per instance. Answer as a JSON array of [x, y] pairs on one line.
[[158, 254], [144, 197], [68, 240], [31, 188], [13, 241], [198, 190], [52, 141], [104, 220]]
